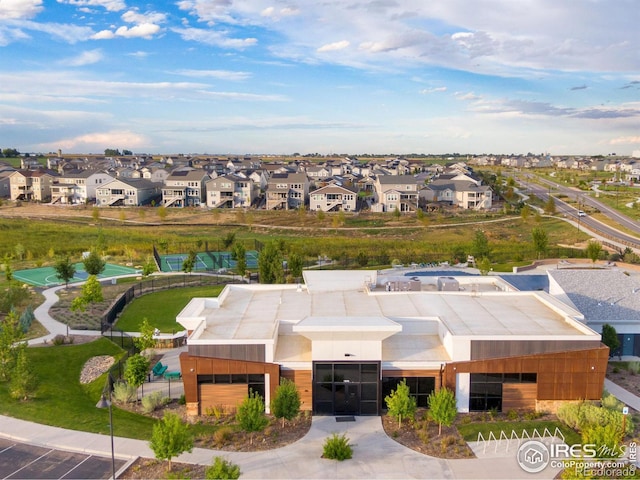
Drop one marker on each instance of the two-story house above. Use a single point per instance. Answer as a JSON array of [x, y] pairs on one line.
[[31, 185], [395, 192], [333, 198], [78, 187], [185, 188], [230, 191], [129, 192], [287, 191]]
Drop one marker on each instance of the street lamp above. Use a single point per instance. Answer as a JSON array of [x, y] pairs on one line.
[[104, 403]]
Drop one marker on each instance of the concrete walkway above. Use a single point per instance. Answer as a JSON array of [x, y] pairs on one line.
[[375, 455]]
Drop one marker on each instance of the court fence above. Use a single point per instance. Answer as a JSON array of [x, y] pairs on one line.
[[155, 284]]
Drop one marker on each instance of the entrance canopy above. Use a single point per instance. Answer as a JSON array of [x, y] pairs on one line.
[[334, 338], [347, 329]]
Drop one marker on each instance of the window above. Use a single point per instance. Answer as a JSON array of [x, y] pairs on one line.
[[419, 387], [486, 388]]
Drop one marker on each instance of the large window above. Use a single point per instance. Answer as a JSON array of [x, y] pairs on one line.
[[486, 389], [419, 388], [254, 382]]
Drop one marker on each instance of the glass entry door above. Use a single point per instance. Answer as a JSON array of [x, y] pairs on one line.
[[346, 388]]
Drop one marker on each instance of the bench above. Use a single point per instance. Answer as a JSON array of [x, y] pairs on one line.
[[173, 375], [159, 369]]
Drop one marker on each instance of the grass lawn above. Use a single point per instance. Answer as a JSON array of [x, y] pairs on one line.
[[470, 431], [161, 308], [62, 401]]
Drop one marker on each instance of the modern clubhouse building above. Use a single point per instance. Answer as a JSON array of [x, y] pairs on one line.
[[346, 338]]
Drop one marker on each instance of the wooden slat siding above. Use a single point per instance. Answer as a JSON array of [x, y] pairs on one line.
[[192, 366], [250, 353], [519, 396], [561, 375], [227, 396], [303, 380], [484, 349]]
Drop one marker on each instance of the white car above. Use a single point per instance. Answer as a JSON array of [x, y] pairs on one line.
[[581, 213]]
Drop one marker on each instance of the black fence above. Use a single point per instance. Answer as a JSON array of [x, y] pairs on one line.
[[154, 284]]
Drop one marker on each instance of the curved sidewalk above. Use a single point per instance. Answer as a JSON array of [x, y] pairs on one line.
[[375, 455]]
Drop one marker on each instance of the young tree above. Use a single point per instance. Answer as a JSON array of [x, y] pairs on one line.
[[240, 256], [170, 438], [10, 334], [23, 381], [250, 414], [480, 245], [222, 470], [65, 270], [149, 267], [286, 402], [400, 403], [484, 265], [228, 240], [550, 206], [442, 407], [540, 240], [610, 338], [270, 264], [91, 293], [295, 264], [136, 370], [593, 250], [8, 271], [189, 263], [145, 340], [162, 213], [94, 264]]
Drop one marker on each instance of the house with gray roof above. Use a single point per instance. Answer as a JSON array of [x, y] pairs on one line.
[[603, 296]]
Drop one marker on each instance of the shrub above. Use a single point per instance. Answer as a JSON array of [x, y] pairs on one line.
[[58, 340], [153, 401], [215, 411], [607, 439], [182, 400], [124, 393], [513, 415], [634, 367], [222, 469], [222, 436], [251, 415], [337, 447]]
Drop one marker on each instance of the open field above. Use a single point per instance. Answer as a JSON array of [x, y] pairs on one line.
[[126, 236]]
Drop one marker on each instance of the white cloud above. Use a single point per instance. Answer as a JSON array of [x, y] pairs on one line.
[[630, 140], [109, 5], [427, 91], [66, 32], [144, 30], [99, 140], [103, 35], [19, 8], [133, 16], [332, 47], [215, 38], [85, 58], [220, 74]]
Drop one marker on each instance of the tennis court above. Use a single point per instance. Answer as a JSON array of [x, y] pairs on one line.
[[206, 261], [46, 276]]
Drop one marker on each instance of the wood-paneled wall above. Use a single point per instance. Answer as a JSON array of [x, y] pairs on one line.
[[227, 396], [575, 375], [519, 396], [303, 380]]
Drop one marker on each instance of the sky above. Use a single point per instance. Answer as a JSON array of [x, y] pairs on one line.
[[321, 76]]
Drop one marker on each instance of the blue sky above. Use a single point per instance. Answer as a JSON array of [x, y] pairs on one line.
[[325, 76]]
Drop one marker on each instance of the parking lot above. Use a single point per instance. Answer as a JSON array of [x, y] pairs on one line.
[[22, 461]]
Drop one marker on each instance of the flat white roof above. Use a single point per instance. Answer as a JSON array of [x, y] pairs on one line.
[[253, 312]]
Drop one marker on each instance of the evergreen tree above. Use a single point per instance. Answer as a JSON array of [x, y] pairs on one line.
[[610, 338]]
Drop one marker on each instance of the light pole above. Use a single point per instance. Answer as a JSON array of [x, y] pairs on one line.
[[104, 403]]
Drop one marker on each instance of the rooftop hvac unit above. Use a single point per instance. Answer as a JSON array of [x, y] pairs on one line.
[[448, 284]]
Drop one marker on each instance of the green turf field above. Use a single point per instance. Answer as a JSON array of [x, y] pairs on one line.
[[46, 276]]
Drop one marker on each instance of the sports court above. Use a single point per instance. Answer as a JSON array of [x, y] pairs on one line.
[[206, 261], [46, 276]]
